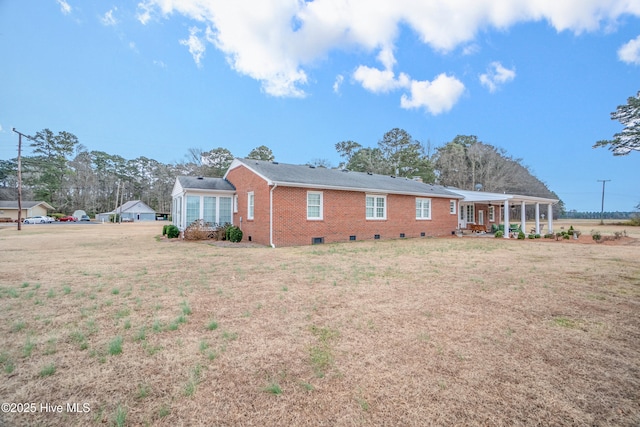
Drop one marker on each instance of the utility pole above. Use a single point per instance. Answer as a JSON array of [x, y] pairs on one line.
[[603, 181], [121, 198], [115, 218], [20, 135]]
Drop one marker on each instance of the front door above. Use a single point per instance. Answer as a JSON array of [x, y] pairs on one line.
[[481, 217], [466, 215]]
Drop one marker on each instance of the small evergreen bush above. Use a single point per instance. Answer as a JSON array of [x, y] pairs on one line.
[[499, 233], [173, 232], [164, 229], [234, 234]]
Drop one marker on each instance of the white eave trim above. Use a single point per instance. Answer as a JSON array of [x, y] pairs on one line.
[[366, 190]]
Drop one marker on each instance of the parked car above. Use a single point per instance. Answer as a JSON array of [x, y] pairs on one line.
[[85, 218], [36, 219], [50, 219], [127, 219], [68, 218]]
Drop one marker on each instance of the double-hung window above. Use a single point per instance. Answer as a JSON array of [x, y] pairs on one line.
[[224, 215], [193, 209], [423, 208], [376, 207], [209, 209], [250, 205], [314, 205], [452, 207], [492, 213]]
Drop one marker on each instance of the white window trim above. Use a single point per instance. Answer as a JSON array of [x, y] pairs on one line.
[[321, 217], [453, 207], [470, 208], [250, 205], [423, 199], [375, 207], [492, 213]]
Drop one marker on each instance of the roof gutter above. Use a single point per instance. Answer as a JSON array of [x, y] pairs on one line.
[[271, 215]]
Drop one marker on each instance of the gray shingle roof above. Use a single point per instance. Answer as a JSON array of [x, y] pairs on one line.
[[204, 183], [26, 204], [318, 177]]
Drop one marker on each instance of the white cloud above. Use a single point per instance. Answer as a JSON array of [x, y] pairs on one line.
[[144, 12], [274, 41], [108, 18], [195, 44], [437, 96], [159, 63], [630, 52], [338, 83], [64, 7], [380, 81], [497, 75]]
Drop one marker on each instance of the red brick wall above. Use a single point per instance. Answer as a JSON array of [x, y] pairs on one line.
[[343, 214], [245, 182]]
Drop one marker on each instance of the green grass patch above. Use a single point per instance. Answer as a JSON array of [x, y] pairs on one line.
[[48, 370], [143, 391], [564, 322], [18, 326], [120, 416], [28, 347], [141, 335], [186, 310], [321, 355], [115, 346], [7, 364], [212, 325], [273, 388]]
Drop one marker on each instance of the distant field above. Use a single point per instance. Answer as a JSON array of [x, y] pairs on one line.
[[129, 328]]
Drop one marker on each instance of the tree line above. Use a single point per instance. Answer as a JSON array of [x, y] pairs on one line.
[[62, 172]]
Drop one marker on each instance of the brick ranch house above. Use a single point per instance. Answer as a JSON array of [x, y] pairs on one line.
[[281, 204]]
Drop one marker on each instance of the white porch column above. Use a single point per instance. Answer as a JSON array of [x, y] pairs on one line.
[[506, 219], [537, 218], [550, 218], [523, 217]]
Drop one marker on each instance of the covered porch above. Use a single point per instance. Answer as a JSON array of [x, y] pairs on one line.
[[482, 210]]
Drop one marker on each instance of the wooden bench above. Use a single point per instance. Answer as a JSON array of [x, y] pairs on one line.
[[477, 228]]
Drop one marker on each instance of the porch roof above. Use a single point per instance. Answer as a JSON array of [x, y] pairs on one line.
[[485, 197]]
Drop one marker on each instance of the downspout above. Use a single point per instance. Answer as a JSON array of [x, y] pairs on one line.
[[271, 215]]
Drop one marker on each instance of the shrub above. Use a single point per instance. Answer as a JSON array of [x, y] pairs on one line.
[[200, 230], [499, 233], [549, 236], [164, 229], [234, 234], [521, 235], [173, 232], [595, 235]]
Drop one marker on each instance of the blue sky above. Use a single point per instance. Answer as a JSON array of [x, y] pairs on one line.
[[154, 78]]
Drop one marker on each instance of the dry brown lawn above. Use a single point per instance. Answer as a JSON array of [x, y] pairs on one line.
[[454, 331]]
